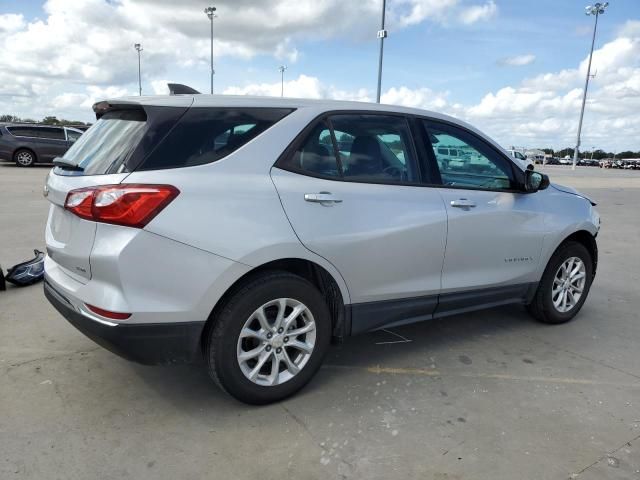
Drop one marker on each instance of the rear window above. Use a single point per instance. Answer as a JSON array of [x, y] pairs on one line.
[[107, 145], [204, 135]]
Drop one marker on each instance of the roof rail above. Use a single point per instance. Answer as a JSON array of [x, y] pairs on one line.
[[179, 89]]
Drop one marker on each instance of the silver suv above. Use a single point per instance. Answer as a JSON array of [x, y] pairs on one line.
[[253, 231]]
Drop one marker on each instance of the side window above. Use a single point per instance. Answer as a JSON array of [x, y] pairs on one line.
[[316, 155], [73, 135], [205, 135], [51, 133], [471, 162], [24, 131], [375, 148]]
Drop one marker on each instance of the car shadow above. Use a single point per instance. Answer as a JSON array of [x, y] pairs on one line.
[[188, 386]]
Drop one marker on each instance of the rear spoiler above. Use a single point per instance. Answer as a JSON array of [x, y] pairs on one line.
[[100, 108], [179, 89]]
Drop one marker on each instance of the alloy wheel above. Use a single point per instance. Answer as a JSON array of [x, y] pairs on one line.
[[568, 284], [276, 342], [24, 158]]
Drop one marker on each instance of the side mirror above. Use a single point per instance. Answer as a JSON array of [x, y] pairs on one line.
[[534, 181]]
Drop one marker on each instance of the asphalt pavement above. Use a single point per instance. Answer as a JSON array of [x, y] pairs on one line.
[[487, 395]]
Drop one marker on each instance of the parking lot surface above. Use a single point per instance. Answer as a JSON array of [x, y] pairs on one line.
[[488, 395]]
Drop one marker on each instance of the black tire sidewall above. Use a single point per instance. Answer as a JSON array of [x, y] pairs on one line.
[[571, 249], [18, 152], [222, 351]]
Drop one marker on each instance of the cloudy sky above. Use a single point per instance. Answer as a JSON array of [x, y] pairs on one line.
[[513, 70]]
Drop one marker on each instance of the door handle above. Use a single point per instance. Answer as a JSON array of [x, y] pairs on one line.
[[325, 198], [463, 203]]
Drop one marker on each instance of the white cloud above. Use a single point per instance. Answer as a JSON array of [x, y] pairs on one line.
[[90, 42], [518, 60], [478, 13], [45, 69], [10, 22], [285, 51], [302, 87]]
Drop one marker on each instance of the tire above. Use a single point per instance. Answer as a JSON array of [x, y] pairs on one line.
[[542, 306], [223, 346], [24, 157]]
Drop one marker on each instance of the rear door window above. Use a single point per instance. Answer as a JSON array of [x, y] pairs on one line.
[[316, 155], [379, 148], [51, 133], [371, 148]]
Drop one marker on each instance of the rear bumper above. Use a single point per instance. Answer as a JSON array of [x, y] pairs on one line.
[[148, 343]]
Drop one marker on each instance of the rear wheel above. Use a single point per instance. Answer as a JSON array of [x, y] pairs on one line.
[[269, 338], [24, 157], [564, 286]]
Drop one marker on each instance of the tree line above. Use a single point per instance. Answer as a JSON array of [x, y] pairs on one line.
[[49, 120]]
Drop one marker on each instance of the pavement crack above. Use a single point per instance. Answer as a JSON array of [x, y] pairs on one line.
[[583, 357], [300, 422], [602, 457], [49, 357]]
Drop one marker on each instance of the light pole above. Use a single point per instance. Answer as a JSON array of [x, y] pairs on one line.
[[597, 9], [282, 68], [382, 34], [138, 47], [210, 11]]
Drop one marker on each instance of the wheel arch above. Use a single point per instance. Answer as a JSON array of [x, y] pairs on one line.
[[315, 273], [588, 240]]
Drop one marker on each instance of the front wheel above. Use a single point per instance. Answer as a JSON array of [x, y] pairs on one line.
[[564, 286], [269, 338]]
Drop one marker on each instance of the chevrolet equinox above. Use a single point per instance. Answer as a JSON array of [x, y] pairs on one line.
[[252, 231]]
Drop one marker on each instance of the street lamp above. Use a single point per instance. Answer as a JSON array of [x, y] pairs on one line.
[[596, 9], [210, 11], [138, 47], [382, 34], [282, 68]]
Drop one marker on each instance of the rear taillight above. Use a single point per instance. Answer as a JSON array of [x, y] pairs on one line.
[[131, 205]]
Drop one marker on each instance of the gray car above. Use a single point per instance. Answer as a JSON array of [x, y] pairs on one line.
[[252, 231], [28, 144]]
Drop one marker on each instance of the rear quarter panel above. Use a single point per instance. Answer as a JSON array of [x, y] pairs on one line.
[[231, 207]]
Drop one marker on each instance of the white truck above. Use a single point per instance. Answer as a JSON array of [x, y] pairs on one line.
[[522, 160]]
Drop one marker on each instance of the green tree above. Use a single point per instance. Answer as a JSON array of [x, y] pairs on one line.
[[564, 152], [9, 118], [50, 120]]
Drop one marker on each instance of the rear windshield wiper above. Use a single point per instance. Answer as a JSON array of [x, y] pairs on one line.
[[66, 164]]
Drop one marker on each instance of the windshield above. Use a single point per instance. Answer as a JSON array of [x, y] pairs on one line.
[[105, 147]]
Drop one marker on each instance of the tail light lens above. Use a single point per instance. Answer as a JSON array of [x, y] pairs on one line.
[[131, 205]]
